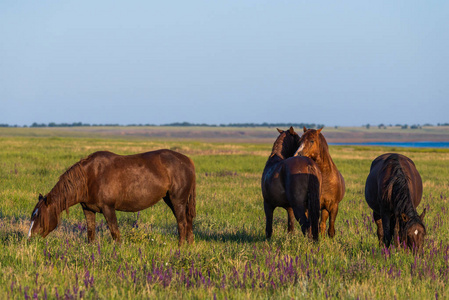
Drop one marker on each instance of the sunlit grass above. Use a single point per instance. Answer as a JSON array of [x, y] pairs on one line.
[[230, 257]]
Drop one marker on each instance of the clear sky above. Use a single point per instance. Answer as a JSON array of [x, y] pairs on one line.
[[218, 62]]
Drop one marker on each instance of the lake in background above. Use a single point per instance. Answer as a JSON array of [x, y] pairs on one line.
[[399, 144]]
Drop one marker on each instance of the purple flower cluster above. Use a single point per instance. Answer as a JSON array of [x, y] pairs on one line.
[[262, 267], [266, 269]]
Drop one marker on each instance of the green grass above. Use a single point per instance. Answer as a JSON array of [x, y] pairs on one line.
[[230, 258]]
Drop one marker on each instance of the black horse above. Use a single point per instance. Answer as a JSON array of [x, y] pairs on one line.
[[293, 183], [393, 191]]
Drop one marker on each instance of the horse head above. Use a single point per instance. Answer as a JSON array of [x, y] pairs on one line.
[[44, 219], [286, 143], [310, 143], [413, 236]]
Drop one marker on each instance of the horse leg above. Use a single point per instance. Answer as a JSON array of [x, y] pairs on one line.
[[189, 229], [180, 214], [300, 212], [396, 234], [90, 220], [296, 193], [380, 230], [393, 226], [269, 219], [309, 232], [386, 229], [333, 217], [324, 216], [190, 214], [168, 202], [111, 220], [300, 215], [291, 220]]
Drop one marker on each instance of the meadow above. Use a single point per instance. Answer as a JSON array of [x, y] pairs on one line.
[[230, 259]]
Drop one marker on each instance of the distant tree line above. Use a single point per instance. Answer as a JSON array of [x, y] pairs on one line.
[[53, 124], [405, 126], [176, 124], [188, 124], [280, 125]]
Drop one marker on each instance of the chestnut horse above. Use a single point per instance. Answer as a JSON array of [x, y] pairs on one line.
[[105, 182], [393, 190], [292, 183], [313, 145]]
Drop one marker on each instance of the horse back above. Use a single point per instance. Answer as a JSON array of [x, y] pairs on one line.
[[301, 165], [162, 161], [272, 183], [179, 168], [288, 171], [381, 172], [136, 181]]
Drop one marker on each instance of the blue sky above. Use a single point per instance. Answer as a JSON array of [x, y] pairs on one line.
[[330, 62]]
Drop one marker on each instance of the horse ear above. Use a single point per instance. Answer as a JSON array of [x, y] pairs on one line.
[[422, 215], [305, 129], [279, 130], [404, 218], [40, 197], [291, 130], [319, 130]]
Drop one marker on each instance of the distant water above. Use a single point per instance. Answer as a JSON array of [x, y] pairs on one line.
[[399, 144]]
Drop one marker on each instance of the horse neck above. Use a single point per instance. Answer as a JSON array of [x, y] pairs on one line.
[[61, 202], [324, 161], [403, 205], [277, 149], [71, 189], [396, 188], [399, 199], [280, 151]]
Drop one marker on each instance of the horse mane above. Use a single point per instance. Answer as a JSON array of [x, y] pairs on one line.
[[284, 148], [396, 192], [71, 188], [324, 147]]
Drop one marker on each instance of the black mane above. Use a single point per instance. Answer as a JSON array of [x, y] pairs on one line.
[[397, 193], [285, 145]]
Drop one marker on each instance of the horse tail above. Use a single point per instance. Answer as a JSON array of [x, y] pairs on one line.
[[314, 203], [191, 202]]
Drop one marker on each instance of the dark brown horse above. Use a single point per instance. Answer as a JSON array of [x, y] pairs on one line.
[[313, 145], [105, 182], [393, 190], [292, 183]]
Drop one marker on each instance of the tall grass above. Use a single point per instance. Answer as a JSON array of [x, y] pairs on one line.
[[230, 258]]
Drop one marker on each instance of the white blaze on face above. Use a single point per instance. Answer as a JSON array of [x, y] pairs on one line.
[[416, 232], [298, 152], [31, 227], [32, 222]]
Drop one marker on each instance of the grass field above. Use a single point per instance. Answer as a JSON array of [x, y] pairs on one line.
[[230, 258]]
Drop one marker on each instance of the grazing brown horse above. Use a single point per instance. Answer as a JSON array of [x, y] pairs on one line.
[[292, 183], [313, 145], [393, 190], [105, 182]]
